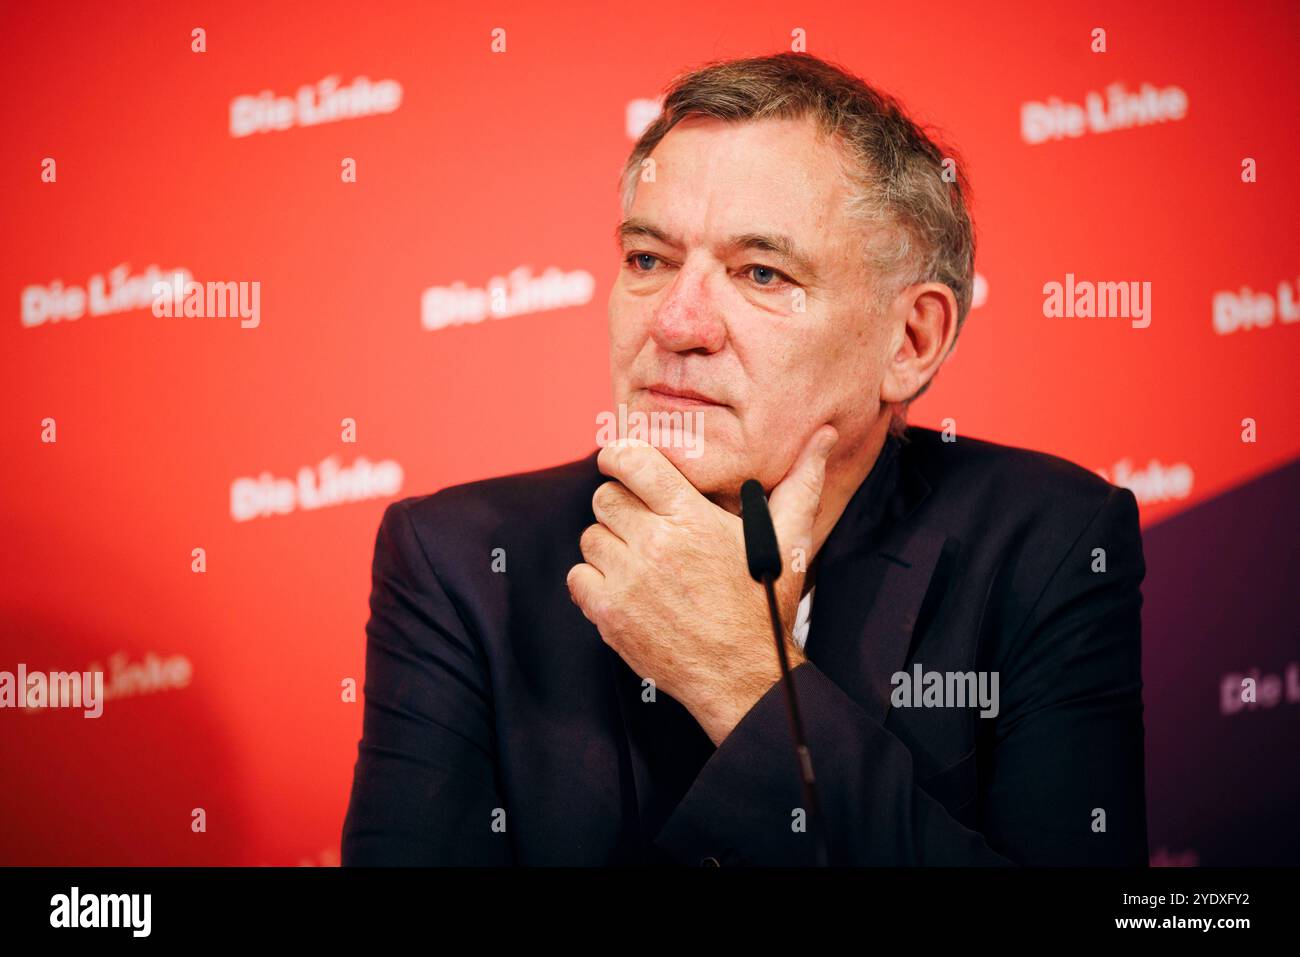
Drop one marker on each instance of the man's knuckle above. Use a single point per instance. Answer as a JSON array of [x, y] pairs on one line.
[[606, 499], [658, 545], [610, 613]]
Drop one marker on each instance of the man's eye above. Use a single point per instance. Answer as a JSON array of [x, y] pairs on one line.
[[767, 276], [764, 276], [634, 258]]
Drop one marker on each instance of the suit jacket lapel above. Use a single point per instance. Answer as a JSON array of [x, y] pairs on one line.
[[865, 615], [872, 579]]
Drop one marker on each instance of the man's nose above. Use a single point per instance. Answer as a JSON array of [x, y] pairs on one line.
[[688, 319]]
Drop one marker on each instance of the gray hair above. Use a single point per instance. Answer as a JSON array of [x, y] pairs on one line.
[[912, 202]]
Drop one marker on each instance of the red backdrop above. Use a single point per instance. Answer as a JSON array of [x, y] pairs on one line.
[[230, 680]]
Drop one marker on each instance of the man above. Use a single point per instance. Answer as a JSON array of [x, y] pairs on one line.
[[573, 666]]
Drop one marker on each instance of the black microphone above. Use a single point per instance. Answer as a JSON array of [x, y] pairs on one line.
[[760, 534], [764, 557]]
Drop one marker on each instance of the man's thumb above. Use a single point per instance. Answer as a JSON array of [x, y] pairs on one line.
[[795, 500]]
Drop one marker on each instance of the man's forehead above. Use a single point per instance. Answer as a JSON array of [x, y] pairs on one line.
[[765, 184], [772, 161]]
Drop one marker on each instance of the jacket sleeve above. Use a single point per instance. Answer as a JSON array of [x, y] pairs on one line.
[[1060, 771], [424, 789]]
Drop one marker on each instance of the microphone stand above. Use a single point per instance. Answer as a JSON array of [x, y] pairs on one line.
[[765, 566]]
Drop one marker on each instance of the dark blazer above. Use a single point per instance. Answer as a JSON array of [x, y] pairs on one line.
[[500, 729]]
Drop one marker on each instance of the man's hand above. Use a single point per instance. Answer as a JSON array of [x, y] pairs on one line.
[[665, 579]]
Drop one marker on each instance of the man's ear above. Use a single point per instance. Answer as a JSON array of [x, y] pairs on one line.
[[923, 320]]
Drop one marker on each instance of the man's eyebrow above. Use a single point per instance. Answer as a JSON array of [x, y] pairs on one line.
[[776, 243], [782, 246], [634, 227]]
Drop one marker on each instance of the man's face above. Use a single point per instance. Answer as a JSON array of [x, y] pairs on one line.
[[775, 345]]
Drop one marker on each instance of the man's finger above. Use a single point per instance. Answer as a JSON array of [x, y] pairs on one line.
[[601, 548], [619, 510], [584, 585], [647, 474]]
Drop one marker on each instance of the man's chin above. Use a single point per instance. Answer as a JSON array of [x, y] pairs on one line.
[[714, 474]]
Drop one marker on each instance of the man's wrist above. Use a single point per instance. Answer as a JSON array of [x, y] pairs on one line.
[[719, 722]]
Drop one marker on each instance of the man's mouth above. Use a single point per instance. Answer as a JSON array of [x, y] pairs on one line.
[[679, 398]]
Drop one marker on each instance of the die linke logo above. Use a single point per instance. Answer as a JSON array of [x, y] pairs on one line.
[[1247, 309], [1118, 109], [317, 486], [150, 675], [117, 291], [1155, 483], [516, 294], [325, 102]]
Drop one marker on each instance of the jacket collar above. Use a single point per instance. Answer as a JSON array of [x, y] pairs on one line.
[[892, 490]]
